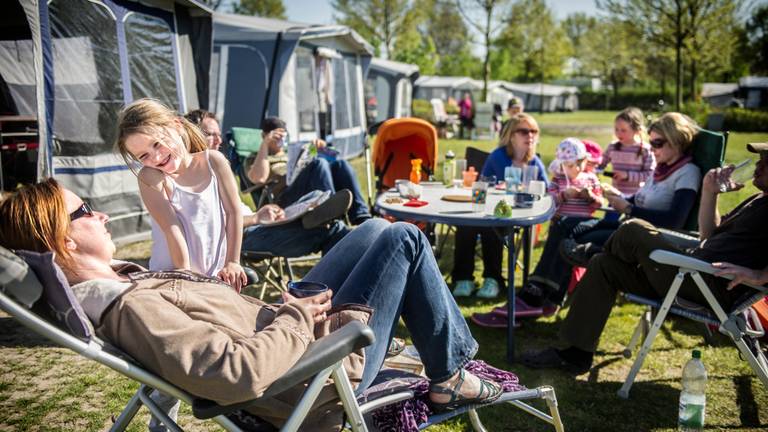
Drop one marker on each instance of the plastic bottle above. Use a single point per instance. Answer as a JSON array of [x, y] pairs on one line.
[[415, 170], [449, 168], [693, 398]]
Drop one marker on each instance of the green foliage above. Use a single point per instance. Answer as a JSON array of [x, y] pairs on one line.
[[757, 43], [262, 8], [740, 119], [411, 47], [380, 22], [422, 108], [532, 46], [452, 39], [645, 99]]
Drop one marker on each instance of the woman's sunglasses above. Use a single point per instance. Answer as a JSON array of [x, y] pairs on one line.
[[657, 143], [81, 211], [524, 131]]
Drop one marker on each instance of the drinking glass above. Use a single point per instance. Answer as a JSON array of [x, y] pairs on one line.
[[461, 166], [512, 177], [529, 173], [741, 174], [479, 193]]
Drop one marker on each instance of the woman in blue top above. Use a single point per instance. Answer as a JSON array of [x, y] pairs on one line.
[[516, 148]]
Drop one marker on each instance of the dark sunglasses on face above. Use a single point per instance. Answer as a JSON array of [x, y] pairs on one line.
[[524, 131], [657, 143], [81, 211]]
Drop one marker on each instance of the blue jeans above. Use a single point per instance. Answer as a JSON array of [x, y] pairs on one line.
[[552, 272], [326, 176], [391, 268], [292, 239]]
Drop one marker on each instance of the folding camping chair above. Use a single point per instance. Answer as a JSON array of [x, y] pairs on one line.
[[740, 322], [22, 288], [242, 144]]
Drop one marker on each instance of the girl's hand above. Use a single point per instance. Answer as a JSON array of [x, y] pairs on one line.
[[620, 175], [318, 305], [617, 202], [269, 213], [233, 274], [740, 274]]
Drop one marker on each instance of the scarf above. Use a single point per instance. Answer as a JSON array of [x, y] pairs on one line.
[[663, 170]]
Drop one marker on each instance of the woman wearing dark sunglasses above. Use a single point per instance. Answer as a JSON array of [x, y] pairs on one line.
[[665, 200]]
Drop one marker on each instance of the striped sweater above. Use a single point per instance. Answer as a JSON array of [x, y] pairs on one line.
[[636, 160], [578, 206]]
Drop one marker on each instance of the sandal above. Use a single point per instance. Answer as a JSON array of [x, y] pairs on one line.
[[396, 346], [489, 392]]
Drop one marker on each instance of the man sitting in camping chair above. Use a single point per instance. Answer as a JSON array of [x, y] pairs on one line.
[[735, 244], [204, 337], [271, 165]]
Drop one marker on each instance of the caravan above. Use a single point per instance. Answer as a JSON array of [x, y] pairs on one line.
[[66, 69]]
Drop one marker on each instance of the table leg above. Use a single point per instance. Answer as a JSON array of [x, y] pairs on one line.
[[511, 264], [527, 245]]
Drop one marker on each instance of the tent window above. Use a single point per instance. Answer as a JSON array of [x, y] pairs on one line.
[[88, 93], [244, 89], [151, 58], [305, 90], [341, 106], [383, 96], [405, 98]]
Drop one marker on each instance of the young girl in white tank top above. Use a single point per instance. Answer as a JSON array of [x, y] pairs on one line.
[[190, 193]]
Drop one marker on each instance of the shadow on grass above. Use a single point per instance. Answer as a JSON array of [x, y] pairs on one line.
[[15, 335]]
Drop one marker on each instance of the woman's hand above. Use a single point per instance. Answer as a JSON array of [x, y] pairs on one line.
[[269, 213], [620, 175], [617, 202], [741, 274], [609, 190], [233, 274], [317, 305]]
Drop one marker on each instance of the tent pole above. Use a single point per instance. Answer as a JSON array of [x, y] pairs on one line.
[[271, 76]]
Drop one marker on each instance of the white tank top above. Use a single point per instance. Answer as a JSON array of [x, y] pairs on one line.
[[203, 221]]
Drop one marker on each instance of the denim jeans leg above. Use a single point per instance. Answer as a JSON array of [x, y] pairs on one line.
[[344, 178], [316, 175], [398, 276], [292, 239]]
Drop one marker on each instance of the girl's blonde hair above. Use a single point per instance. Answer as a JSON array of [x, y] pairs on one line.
[[149, 117], [634, 117], [35, 218], [678, 129], [507, 135]]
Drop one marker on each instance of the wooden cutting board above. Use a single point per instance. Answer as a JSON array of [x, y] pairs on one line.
[[457, 198]]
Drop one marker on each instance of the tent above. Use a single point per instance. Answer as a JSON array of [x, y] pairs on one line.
[[442, 87], [389, 89], [310, 76], [70, 65], [719, 95], [546, 97], [754, 91]]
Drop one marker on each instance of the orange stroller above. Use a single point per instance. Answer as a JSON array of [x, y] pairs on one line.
[[398, 142]]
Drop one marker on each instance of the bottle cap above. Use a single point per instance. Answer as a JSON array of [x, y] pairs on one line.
[[450, 155], [696, 354]]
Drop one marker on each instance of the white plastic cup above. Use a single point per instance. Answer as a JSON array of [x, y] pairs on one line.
[[537, 187], [530, 173]]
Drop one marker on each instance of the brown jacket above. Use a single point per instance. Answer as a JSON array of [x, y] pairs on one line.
[[217, 344]]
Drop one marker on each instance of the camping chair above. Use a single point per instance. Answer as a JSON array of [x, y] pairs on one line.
[[484, 127], [739, 322], [42, 285], [242, 144], [447, 124]]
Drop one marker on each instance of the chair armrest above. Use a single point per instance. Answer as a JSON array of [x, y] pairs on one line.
[[321, 354], [685, 261]]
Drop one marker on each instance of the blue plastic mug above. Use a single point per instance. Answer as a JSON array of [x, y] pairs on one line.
[[301, 289]]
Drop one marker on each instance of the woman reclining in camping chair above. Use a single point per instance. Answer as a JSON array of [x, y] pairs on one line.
[[198, 333]]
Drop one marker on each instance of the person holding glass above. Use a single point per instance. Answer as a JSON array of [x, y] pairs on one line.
[[517, 149]]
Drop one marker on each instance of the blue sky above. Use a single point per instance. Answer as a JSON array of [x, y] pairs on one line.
[[321, 11]]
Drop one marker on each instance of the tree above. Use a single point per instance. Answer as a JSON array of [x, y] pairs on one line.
[[486, 25], [618, 63], [445, 27], [262, 8], [412, 47], [378, 21], [757, 40], [672, 24], [579, 27], [532, 46]]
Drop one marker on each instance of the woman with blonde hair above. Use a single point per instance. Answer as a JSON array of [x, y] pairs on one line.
[[517, 148]]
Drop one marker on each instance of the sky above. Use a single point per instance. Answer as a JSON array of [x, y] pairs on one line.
[[321, 11]]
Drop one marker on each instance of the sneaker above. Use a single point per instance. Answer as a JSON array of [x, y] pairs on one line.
[[331, 209], [489, 290], [463, 288], [578, 254]]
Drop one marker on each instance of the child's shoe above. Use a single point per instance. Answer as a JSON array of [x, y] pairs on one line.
[[463, 288], [489, 290]]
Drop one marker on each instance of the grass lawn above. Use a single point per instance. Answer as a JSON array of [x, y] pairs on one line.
[[46, 388]]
